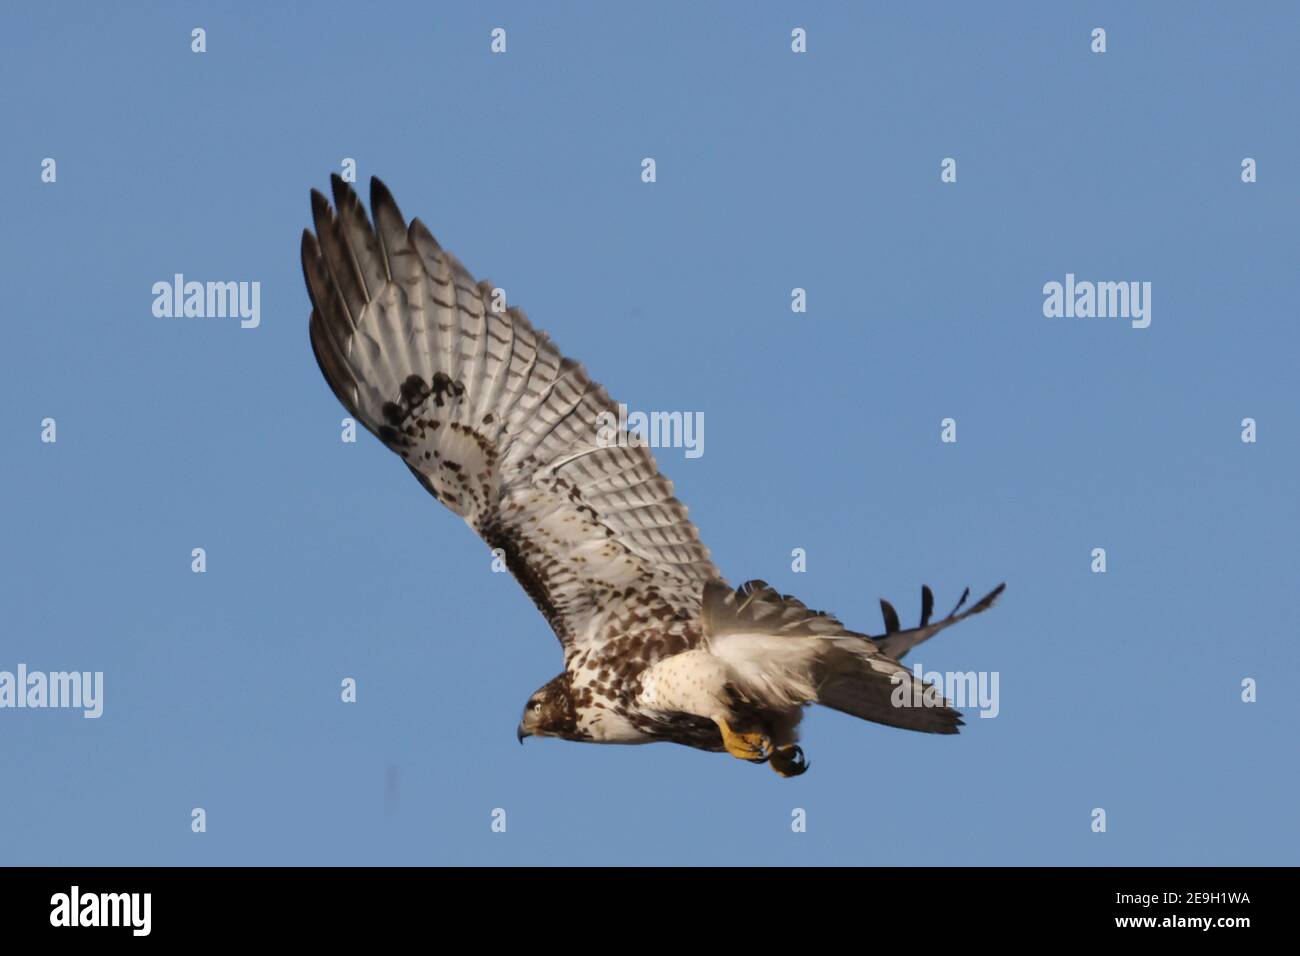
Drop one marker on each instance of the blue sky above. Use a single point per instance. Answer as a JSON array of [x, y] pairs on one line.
[[775, 170]]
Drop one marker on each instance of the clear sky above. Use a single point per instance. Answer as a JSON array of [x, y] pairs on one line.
[[775, 170]]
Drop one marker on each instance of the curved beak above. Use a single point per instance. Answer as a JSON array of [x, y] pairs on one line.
[[521, 734]]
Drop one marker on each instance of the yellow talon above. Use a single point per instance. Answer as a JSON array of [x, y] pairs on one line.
[[789, 761], [756, 746]]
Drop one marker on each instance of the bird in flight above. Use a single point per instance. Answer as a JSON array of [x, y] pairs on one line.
[[505, 431]]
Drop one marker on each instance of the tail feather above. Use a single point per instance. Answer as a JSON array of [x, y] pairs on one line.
[[863, 684], [896, 643], [783, 654]]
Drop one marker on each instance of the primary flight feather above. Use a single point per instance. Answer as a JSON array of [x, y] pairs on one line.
[[500, 427]]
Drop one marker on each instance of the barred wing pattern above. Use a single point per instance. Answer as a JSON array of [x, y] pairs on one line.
[[495, 423]]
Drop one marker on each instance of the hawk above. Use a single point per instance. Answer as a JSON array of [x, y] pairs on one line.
[[505, 431]]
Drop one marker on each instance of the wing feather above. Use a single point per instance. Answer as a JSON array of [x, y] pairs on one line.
[[493, 421]]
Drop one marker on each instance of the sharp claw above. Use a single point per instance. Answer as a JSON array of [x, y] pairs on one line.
[[790, 761], [754, 747]]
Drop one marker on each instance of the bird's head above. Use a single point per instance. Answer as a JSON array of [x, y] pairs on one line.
[[550, 711]]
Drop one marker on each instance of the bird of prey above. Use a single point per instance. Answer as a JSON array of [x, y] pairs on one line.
[[505, 431]]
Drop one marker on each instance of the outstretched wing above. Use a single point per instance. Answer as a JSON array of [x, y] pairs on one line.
[[494, 421]]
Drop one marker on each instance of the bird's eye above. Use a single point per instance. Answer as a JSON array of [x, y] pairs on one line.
[[537, 707]]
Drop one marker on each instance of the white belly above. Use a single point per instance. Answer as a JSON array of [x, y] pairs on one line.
[[693, 682], [607, 727]]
